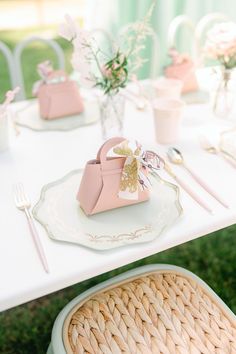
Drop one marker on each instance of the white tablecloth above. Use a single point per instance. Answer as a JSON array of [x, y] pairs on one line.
[[37, 158]]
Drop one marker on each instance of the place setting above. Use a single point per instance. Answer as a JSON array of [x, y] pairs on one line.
[[118, 199], [59, 105], [108, 204], [120, 196]]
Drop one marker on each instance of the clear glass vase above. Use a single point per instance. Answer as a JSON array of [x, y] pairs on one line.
[[223, 102], [112, 115]]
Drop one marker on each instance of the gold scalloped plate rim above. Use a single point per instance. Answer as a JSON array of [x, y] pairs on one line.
[[46, 226], [19, 123]]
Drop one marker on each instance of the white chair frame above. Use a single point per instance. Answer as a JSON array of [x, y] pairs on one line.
[[197, 29], [174, 26], [10, 63], [155, 63], [18, 54]]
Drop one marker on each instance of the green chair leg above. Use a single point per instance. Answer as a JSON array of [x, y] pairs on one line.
[[50, 351]]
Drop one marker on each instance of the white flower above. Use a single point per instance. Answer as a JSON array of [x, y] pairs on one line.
[[69, 29], [82, 38], [87, 81], [82, 44], [79, 62], [82, 65], [222, 33], [88, 53], [221, 41]]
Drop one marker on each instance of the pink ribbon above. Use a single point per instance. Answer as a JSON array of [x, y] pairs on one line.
[[44, 70], [133, 174], [178, 58]]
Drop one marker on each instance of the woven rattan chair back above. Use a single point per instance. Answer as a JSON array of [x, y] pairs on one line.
[[162, 312]]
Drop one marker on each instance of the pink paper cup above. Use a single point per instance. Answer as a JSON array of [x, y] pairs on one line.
[[165, 87], [168, 114]]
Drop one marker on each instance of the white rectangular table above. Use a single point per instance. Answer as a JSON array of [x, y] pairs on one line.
[[37, 158]]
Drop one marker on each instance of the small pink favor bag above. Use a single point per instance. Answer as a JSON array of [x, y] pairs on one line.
[[182, 68], [58, 96], [100, 183], [59, 99]]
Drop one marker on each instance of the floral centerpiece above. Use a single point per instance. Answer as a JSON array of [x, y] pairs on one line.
[[109, 72], [221, 46]]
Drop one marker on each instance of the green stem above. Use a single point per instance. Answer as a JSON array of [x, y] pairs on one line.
[[95, 57]]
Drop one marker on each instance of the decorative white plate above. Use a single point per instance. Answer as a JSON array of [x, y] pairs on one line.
[[60, 214], [29, 117]]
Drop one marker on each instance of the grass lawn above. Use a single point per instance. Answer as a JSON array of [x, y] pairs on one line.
[[27, 329], [32, 55]]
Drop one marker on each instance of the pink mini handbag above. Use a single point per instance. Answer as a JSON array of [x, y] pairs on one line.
[[100, 183], [59, 96], [182, 68]]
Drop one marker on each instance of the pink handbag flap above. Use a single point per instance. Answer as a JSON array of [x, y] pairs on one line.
[[180, 71], [101, 181], [184, 72], [59, 100]]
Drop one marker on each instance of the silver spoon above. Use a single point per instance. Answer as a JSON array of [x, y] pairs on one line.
[[176, 157]]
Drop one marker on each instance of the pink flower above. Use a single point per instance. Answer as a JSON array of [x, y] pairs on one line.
[[106, 72], [44, 69], [10, 95], [69, 29], [177, 57]]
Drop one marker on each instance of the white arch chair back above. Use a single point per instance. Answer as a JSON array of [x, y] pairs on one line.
[[198, 30], [18, 59], [174, 27], [10, 63], [155, 50], [154, 61]]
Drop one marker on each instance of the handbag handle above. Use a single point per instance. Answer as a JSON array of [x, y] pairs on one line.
[[102, 152]]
